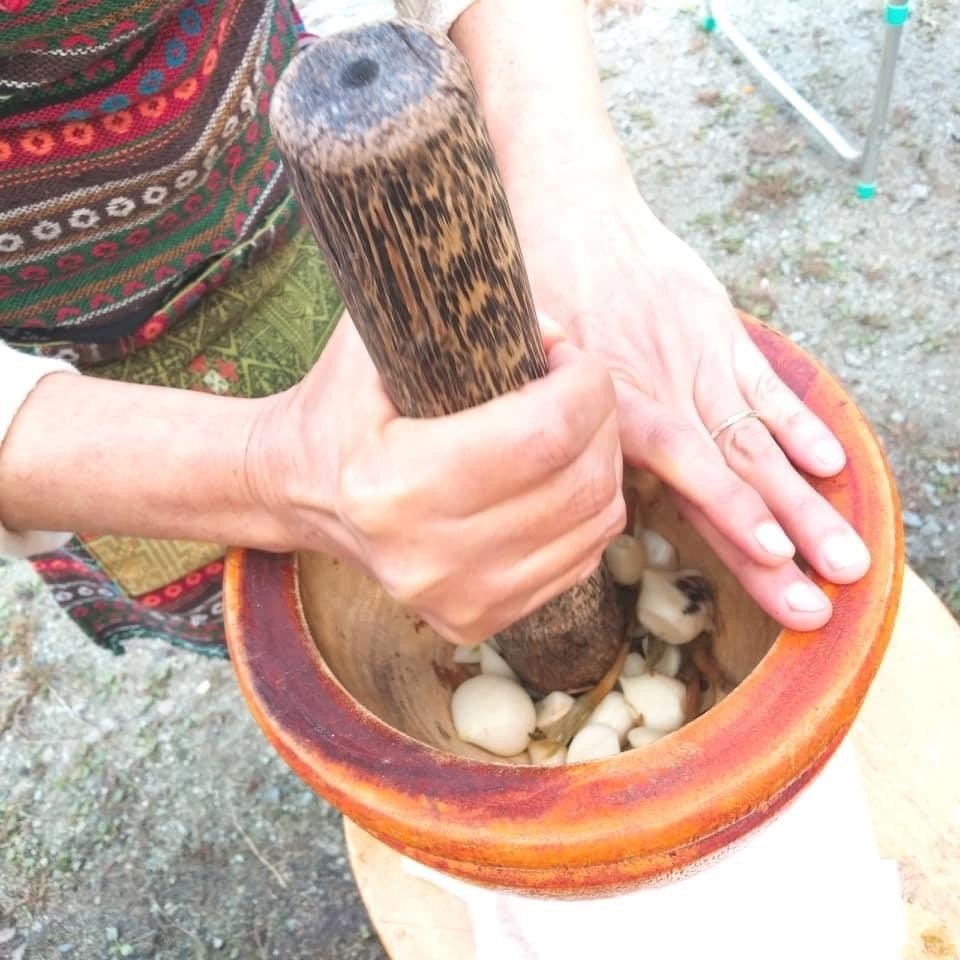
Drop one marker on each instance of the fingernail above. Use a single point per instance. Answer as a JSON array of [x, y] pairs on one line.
[[829, 454], [771, 537], [844, 551], [805, 597], [549, 327]]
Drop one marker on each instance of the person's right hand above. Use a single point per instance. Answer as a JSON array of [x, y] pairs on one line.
[[475, 519]]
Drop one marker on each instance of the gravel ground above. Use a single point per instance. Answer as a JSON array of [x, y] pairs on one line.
[[143, 815]]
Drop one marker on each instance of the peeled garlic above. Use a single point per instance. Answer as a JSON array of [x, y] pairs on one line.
[[495, 713], [492, 664], [658, 699], [669, 658], [675, 606], [547, 753], [661, 553], [641, 736], [467, 654], [625, 559], [594, 742], [613, 711], [553, 707], [634, 665]]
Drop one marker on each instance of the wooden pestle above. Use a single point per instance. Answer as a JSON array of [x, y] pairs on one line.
[[382, 137]]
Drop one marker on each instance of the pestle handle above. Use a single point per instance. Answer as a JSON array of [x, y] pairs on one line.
[[382, 137]]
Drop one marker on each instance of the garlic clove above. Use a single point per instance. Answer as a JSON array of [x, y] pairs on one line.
[[658, 699], [625, 559], [553, 707], [661, 553], [641, 736], [595, 741], [669, 658], [495, 713], [614, 711], [546, 753], [634, 665], [492, 664], [467, 655], [677, 607]]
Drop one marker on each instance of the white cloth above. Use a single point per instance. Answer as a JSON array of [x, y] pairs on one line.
[[19, 374], [808, 885]]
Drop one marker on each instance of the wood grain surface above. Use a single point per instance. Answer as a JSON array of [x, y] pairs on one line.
[[383, 139]]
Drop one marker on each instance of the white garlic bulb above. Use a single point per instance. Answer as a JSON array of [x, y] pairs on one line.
[[553, 707], [634, 665], [495, 713], [462, 654], [595, 741], [676, 607], [641, 736], [613, 711], [547, 753], [661, 553], [658, 699], [492, 664], [625, 559]]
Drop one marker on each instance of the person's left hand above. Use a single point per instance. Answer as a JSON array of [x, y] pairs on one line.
[[633, 294]]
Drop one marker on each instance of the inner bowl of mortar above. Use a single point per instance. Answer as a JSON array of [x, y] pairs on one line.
[[354, 692]]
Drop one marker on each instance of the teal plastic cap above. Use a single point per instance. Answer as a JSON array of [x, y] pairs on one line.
[[866, 191], [709, 24], [897, 14]]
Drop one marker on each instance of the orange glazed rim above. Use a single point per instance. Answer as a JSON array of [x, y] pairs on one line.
[[611, 824]]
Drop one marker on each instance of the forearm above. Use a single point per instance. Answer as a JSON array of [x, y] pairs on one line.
[[534, 69], [99, 456]]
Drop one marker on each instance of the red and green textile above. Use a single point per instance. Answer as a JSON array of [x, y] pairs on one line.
[[147, 234]]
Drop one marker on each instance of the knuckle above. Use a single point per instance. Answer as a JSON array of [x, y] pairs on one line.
[[556, 443], [749, 448], [767, 385], [672, 440]]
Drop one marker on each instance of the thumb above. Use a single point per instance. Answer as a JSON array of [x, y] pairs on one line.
[[550, 330]]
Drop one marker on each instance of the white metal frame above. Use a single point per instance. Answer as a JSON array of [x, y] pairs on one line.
[[866, 158]]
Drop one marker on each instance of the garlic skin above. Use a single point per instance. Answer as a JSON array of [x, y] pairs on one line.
[[671, 658], [677, 607], [495, 713], [658, 699], [553, 707], [467, 655], [641, 736], [661, 553], [625, 559], [614, 711], [493, 665], [634, 665], [547, 753], [595, 741]]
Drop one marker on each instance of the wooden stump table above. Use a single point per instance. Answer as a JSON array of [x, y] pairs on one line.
[[907, 739]]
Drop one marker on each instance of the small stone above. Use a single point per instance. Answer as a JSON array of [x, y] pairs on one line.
[[852, 358], [65, 947], [217, 943], [203, 687], [113, 934], [919, 191], [931, 527], [898, 417], [912, 520], [7, 934]]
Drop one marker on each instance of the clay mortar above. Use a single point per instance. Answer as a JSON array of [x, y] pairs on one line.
[[353, 692]]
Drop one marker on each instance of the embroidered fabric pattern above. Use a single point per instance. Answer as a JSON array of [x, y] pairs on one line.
[[134, 156]]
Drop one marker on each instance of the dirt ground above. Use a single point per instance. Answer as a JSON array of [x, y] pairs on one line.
[[143, 815]]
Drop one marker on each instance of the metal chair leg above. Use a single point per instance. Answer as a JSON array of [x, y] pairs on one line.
[[896, 15], [897, 11]]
